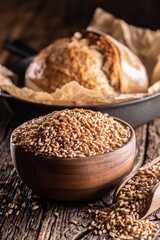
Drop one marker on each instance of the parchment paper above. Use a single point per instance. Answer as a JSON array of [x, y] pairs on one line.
[[143, 42]]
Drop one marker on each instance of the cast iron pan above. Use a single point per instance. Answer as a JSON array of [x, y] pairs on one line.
[[135, 112]]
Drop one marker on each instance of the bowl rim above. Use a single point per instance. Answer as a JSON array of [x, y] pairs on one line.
[[92, 157]]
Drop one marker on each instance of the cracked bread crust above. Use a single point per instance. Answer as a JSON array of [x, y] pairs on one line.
[[96, 61]]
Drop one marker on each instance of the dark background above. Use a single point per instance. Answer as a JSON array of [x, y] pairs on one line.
[[144, 13], [71, 14], [38, 22]]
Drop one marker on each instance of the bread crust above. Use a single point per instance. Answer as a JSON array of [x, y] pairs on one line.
[[93, 59]]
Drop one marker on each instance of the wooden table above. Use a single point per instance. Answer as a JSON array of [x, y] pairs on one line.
[[38, 23]]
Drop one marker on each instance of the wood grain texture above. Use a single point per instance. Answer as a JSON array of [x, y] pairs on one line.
[[74, 179], [38, 23], [153, 151], [152, 200]]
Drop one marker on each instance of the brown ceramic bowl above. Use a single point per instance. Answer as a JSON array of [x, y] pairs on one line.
[[74, 179]]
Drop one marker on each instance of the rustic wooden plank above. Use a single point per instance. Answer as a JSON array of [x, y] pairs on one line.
[[11, 24], [153, 143], [47, 25], [52, 227], [41, 22], [26, 224], [153, 151], [60, 227], [141, 138], [15, 25]]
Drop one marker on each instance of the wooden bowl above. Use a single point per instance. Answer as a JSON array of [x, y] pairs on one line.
[[74, 179]]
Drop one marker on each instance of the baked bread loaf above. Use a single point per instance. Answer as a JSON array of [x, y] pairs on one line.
[[95, 60], [156, 72]]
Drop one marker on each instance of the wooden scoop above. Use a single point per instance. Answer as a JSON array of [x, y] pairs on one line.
[[153, 199]]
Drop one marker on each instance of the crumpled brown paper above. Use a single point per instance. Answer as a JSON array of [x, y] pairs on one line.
[[63, 96], [144, 42], [156, 72], [70, 94]]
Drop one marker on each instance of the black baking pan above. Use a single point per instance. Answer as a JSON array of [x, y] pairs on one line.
[[135, 112]]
